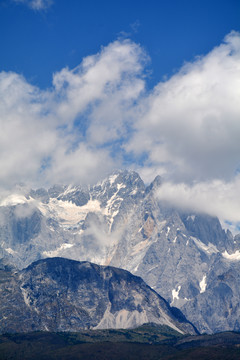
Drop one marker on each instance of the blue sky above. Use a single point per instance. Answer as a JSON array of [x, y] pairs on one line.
[[37, 43], [89, 87]]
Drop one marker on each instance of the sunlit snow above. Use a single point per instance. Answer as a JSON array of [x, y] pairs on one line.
[[233, 257], [57, 251], [10, 251], [209, 249], [14, 199], [203, 284], [68, 212], [112, 178], [175, 294], [168, 230]]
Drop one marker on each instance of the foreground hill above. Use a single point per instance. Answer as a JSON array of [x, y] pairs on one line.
[[58, 294], [148, 342]]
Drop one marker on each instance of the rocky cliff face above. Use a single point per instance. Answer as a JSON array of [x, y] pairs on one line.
[[65, 295], [185, 257]]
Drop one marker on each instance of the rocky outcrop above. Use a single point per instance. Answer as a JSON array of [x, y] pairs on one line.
[[65, 295]]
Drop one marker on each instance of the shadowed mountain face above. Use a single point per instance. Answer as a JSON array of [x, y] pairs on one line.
[[60, 295], [187, 258]]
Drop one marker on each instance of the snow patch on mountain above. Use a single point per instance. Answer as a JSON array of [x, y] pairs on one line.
[[112, 178], [111, 203], [56, 252], [203, 284], [67, 212], [232, 257], [10, 251], [209, 249], [175, 294]]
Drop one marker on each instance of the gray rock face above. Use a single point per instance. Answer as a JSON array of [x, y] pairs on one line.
[[205, 227], [64, 295], [120, 222]]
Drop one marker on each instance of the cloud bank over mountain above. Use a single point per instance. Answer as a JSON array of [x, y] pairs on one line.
[[216, 198], [100, 116]]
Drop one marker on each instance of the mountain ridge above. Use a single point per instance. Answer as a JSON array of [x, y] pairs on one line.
[[58, 294], [186, 257]]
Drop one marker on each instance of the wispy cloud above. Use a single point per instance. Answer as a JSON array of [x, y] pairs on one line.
[[216, 197], [135, 26], [36, 4]]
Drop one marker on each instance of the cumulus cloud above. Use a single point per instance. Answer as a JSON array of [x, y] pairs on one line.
[[99, 116], [36, 4], [65, 134], [27, 134], [189, 128], [190, 123], [105, 86]]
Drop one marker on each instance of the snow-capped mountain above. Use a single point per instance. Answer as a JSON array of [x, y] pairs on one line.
[[65, 295], [75, 222], [187, 258]]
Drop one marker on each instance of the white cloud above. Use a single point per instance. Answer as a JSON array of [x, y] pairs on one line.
[[106, 86], [27, 135], [216, 198], [36, 4], [82, 165], [25, 210], [190, 123], [65, 134], [99, 115]]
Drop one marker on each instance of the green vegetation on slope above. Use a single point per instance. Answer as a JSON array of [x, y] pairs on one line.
[[150, 342]]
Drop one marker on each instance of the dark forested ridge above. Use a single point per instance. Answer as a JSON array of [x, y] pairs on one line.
[[146, 342]]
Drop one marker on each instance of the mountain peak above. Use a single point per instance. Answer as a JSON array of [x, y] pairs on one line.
[[156, 183], [119, 222]]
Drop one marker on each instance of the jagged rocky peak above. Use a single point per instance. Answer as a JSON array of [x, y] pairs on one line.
[[126, 177], [56, 190], [209, 230], [122, 183], [155, 184], [122, 223], [61, 295], [39, 194], [78, 196]]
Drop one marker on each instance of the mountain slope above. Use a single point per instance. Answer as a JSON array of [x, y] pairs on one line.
[[187, 258], [61, 295]]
